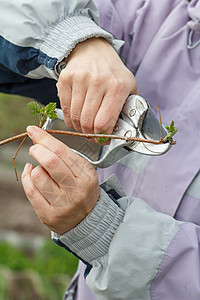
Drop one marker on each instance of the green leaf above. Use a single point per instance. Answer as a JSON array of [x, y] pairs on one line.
[[35, 107], [102, 140], [42, 111], [172, 125], [171, 132], [52, 116], [49, 108]]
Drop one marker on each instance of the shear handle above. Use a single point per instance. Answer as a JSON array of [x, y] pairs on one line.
[[137, 121]]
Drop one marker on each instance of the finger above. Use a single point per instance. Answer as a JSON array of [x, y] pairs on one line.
[[46, 186], [78, 98], [53, 165], [90, 108], [108, 112], [65, 93], [39, 203], [72, 160]]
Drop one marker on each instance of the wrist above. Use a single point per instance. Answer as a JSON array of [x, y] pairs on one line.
[[92, 237]]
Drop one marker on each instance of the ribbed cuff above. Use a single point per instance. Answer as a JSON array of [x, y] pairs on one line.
[[92, 237], [63, 37]]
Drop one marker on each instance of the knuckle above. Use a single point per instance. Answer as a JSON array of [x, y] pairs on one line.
[[80, 77], [75, 117], [36, 174], [86, 124], [118, 86], [66, 110], [59, 151], [96, 80], [102, 124], [51, 162], [74, 76]]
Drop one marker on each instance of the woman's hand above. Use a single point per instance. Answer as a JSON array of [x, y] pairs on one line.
[[94, 86], [64, 188]]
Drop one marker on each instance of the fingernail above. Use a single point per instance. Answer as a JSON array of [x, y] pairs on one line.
[[31, 130], [31, 148], [27, 167]]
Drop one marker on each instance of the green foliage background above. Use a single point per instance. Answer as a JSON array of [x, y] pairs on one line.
[[48, 260], [42, 275], [50, 267], [14, 115]]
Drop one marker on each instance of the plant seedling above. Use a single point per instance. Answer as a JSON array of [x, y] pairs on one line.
[[171, 132], [102, 139], [43, 112]]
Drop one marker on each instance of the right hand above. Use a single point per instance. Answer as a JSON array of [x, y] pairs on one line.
[[64, 188], [94, 86]]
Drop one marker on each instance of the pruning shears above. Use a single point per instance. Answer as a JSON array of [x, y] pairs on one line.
[[135, 121]]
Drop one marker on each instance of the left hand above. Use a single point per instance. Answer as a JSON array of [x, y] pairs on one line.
[[94, 86], [64, 188]]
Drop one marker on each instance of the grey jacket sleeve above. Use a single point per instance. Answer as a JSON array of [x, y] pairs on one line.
[[36, 35], [124, 241], [136, 252]]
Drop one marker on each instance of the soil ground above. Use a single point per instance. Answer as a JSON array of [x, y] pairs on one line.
[[16, 213]]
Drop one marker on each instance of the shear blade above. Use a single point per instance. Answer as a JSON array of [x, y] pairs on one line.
[[151, 130]]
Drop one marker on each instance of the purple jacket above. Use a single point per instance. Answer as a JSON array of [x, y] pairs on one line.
[[156, 36], [141, 240]]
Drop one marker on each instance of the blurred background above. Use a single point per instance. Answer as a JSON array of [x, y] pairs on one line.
[[31, 265]]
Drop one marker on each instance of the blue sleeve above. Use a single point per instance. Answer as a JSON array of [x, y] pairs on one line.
[[35, 36]]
